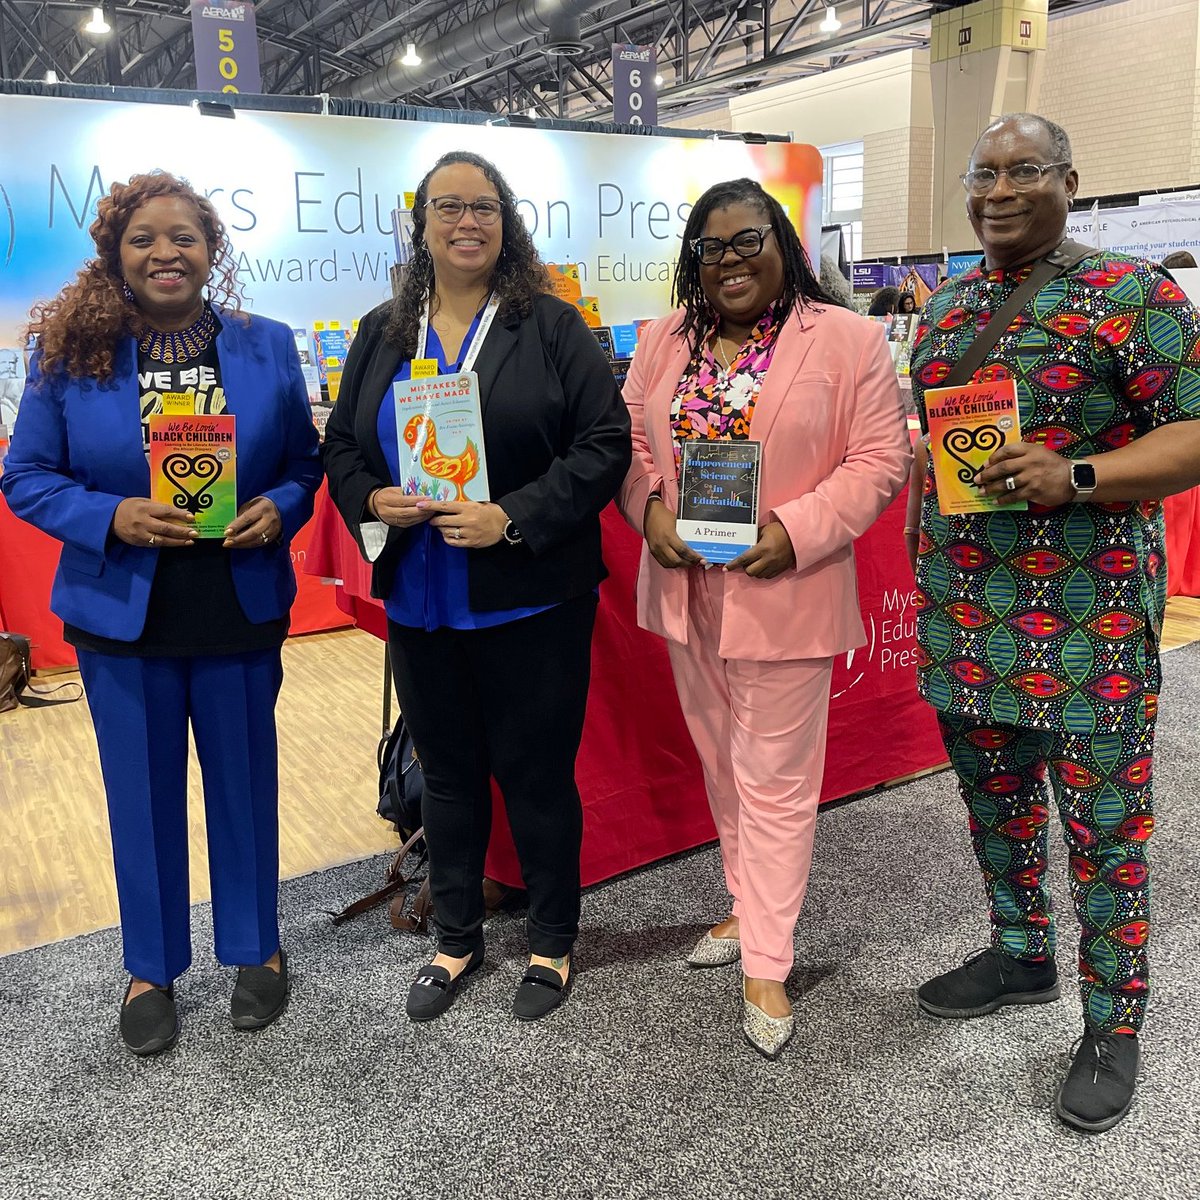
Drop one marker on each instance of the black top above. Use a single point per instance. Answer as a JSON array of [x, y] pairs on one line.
[[558, 447], [193, 607]]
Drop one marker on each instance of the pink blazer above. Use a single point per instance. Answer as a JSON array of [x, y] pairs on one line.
[[835, 453]]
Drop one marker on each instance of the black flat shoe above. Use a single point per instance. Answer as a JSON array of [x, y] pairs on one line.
[[541, 991], [149, 1022], [259, 995], [433, 991]]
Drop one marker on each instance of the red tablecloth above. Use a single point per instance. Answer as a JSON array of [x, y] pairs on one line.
[[29, 558], [1183, 543], [643, 795]]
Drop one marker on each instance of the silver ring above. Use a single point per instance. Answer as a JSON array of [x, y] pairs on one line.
[[151, 540], [456, 534], [1010, 483], [265, 539]]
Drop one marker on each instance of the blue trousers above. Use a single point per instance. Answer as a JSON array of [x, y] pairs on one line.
[[141, 708]]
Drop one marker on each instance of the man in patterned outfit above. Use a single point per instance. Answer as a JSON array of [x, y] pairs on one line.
[[1038, 630]]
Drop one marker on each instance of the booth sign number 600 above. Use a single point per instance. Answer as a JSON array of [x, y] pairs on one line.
[[635, 96], [228, 65]]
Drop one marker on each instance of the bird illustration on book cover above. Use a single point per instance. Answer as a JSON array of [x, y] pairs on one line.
[[457, 470]]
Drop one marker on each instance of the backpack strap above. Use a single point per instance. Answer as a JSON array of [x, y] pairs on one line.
[[1066, 255]]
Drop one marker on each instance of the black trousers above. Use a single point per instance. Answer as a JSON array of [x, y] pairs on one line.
[[506, 702]]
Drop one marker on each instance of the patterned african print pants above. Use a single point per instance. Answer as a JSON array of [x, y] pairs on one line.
[[1102, 785]]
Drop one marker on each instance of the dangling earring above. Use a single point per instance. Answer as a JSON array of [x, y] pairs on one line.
[[127, 292]]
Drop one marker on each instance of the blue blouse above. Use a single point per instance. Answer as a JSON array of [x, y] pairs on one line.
[[430, 587]]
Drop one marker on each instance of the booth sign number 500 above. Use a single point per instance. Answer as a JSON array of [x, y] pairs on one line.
[[635, 96], [227, 65]]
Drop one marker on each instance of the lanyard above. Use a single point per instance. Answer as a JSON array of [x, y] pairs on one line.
[[481, 332]]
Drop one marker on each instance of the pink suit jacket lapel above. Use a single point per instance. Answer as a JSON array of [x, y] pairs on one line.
[[795, 341]]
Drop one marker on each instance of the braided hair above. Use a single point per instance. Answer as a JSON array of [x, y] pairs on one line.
[[800, 284], [519, 275]]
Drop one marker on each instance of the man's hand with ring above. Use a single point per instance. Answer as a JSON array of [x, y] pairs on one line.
[[1025, 471]]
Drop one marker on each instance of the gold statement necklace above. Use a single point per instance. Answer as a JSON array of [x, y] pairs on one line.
[[181, 345]]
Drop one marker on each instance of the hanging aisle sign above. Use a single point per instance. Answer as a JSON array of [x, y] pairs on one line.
[[635, 97], [226, 43]]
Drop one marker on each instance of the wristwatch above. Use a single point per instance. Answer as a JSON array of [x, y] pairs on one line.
[[512, 535], [1083, 478]]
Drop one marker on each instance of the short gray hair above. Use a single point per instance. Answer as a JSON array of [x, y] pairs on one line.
[[1060, 144]]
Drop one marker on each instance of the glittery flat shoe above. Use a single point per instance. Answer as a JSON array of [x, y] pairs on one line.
[[149, 1023], [768, 1035], [712, 951]]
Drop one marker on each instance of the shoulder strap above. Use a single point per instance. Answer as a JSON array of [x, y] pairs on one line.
[[1062, 258]]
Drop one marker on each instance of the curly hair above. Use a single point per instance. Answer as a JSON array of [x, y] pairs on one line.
[[78, 330], [800, 284], [519, 275]]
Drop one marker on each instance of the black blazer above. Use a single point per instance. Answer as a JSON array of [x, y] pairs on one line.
[[556, 432]]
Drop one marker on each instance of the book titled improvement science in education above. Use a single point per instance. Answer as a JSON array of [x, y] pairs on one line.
[[193, 467], [967, 425], [718, 498]]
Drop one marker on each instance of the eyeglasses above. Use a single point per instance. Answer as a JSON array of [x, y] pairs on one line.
[[450, 209], [746, 243], [1022, 176]]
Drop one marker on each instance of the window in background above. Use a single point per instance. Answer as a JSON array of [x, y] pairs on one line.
[[842, 192]]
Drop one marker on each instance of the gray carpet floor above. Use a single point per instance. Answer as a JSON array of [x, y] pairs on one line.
[[641, 1085]]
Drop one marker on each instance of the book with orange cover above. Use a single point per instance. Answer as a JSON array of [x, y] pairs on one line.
[[967, 425], [193, 467], [564, 281]]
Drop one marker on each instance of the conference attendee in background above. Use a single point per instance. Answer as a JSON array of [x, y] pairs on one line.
[[1181, 258], [907, 303], [1038, 629], [490, 604], [172, 630], [885, 302], [757, 351]]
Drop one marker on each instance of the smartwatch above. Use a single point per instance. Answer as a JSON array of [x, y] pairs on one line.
[[512, 535], [1083, 478]]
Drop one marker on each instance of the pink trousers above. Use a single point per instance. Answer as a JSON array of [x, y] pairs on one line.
[[759, 729]]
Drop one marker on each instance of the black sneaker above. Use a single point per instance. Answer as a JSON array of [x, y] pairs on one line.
[[987, 981], [259, 995], [149, 1023], [1099, 1086]]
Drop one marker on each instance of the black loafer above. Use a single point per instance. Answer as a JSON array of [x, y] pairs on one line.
[[540, 991], [259, 995], [149, 1022], [433, 991]]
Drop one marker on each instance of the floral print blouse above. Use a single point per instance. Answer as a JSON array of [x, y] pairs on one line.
[[716, 404]]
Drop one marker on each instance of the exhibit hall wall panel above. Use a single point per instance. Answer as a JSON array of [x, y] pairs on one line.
[[898, 192], [1123, 81], [308, 199]]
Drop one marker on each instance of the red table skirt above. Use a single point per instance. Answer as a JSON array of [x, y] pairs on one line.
[[643, 794], [29, 558], [1183, 543]]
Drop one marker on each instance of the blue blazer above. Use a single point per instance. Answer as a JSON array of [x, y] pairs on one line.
[[76, 452]]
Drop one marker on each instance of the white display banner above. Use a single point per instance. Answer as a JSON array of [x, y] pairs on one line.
[[308, 199], [1146, 231]]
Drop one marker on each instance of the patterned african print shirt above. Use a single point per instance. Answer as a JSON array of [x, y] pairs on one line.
[[715, 404], [1049, 619]]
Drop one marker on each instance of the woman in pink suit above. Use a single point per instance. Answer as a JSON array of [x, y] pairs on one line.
[[757, 351]]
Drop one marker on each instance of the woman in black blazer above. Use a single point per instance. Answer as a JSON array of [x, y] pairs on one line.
[[490, 604]]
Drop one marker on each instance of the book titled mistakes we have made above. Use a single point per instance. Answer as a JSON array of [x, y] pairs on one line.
[[718, 498]]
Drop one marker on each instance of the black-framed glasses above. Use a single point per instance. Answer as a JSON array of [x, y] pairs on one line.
[[746, 243], [450, 209], [1022, 176]]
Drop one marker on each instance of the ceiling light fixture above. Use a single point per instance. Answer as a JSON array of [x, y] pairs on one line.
[[51, 76], [97, 25], [830, 24], [532, 114], [411, 57], [658, 81]]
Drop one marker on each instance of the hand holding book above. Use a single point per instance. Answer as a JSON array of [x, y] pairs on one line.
[[1039, 476], [662, 537], [257, 524], [771, 555], [141, 522]]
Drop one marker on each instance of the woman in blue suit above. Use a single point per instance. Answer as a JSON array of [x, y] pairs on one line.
[[172, 629]]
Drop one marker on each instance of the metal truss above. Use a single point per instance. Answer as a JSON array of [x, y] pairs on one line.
[[708, 50]]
